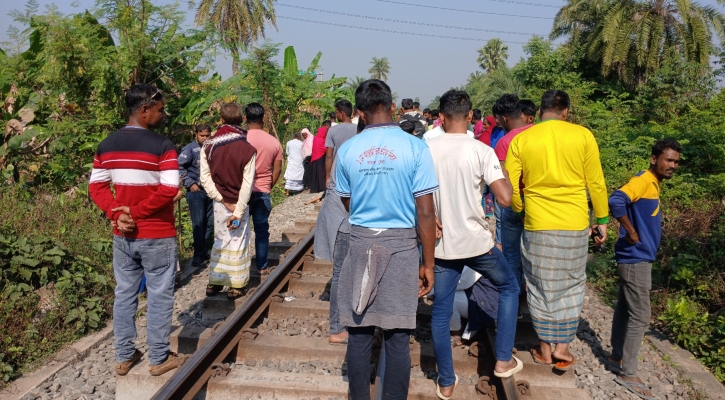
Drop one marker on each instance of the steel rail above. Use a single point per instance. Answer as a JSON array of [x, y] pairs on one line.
[[198, 369]]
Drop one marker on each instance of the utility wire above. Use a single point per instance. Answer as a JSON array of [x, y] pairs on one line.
[[524, 3], [461, 10], [405, 22], [389, 31]]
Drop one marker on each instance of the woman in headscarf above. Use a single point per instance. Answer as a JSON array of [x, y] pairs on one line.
[[318, 174], [487, 125], [306, 155]]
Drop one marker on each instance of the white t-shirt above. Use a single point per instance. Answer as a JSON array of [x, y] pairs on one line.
[[435, 132], [463, 167]]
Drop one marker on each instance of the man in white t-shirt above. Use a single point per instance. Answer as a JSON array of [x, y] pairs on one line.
[[435, 132], [463, 167]]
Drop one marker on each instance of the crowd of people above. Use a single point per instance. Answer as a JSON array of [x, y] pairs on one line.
[[408, 197]]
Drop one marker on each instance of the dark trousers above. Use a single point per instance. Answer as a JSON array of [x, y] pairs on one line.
[[342, 244], [397, 363], [201, 210], [260, 206], [632, 314]]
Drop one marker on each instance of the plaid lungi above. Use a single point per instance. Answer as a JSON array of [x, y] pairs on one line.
[[231, 254], [554, 264]]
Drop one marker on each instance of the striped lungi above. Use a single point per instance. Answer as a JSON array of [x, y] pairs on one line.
[[231, 254], [554, 264]]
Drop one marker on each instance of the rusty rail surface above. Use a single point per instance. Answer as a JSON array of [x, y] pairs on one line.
[[207, 360]]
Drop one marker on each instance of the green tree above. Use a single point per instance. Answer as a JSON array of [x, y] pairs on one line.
[[380, 68], [493, 55], [239, 23], [631, 38]]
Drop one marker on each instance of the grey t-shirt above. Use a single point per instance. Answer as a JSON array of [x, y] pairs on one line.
[[338, 135]]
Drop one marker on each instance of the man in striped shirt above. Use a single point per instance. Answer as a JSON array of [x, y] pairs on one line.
[[144, 171]]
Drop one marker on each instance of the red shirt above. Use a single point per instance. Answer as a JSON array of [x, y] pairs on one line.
[[502, 147], [144, 171]]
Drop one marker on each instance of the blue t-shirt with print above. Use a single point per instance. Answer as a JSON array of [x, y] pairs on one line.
[[382, 170]]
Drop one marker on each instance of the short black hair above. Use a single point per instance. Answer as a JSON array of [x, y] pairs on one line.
[[373, 96], [142, 94], [407, 126], [202, 128], [434, 113], [344, 106], [455, 104], [477, 114], [663, 144], [426, 110], [507, 106], [416, 104], [254, 113], [326, 122], [528, 107], [555, 100], [407, 104], [333, 115]]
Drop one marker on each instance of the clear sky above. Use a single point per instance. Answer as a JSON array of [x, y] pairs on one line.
[[420, 66]]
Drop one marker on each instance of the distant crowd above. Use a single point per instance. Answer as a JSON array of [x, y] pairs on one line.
[[408, 199]]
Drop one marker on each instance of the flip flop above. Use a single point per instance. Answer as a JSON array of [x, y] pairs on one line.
[[565, 365], [438, 389], [631, 385], [519, 366], [538, 359]]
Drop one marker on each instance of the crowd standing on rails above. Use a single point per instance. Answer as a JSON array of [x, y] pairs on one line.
[[408, 197]]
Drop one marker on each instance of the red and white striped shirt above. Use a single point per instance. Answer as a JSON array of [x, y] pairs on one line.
[[144, 170]]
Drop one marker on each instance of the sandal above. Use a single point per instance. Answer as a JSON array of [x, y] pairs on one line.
[[212, 290], [538, 359], [515, 370], [565, 365], [234, 294], [631, 387], [438, 389]]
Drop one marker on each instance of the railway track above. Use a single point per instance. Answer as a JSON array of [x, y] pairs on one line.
[[272, 344]]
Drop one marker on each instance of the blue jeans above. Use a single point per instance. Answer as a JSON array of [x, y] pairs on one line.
[[397, 363], [512, 227], [342, 243], [201, 210], [260, 206], [133, 259], [493, 266]]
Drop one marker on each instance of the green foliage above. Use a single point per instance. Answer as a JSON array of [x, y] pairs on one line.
[[493, 55]]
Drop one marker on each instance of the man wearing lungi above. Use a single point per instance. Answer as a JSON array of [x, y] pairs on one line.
[[385, 178], [559, 161], [464, 166], [295, 170], [637, 207], [227, 174]]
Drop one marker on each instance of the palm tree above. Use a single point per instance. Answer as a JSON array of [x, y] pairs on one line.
[[239, 23], [631, 38], [493, 55], [380, 68]]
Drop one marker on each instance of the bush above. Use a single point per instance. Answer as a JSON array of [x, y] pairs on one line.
[[56, 276]]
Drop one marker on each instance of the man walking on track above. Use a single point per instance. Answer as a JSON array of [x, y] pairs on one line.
[[463, 167], [144, 171], [268, 168], [332, 231], [386, 180], [556, 224], [637, 207]]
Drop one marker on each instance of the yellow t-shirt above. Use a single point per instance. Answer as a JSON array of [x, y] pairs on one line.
[[558, 161]]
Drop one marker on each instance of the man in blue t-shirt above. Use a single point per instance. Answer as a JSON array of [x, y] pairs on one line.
[[386, 179], [637, 207]]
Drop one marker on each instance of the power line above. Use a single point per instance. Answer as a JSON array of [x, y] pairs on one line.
[[389, 31], [461, 10], [404, 22], [523, 3]]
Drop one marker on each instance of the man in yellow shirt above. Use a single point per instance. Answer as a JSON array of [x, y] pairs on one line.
[[558, 161]]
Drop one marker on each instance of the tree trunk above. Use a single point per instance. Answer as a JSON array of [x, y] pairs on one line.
[[235, 61]]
